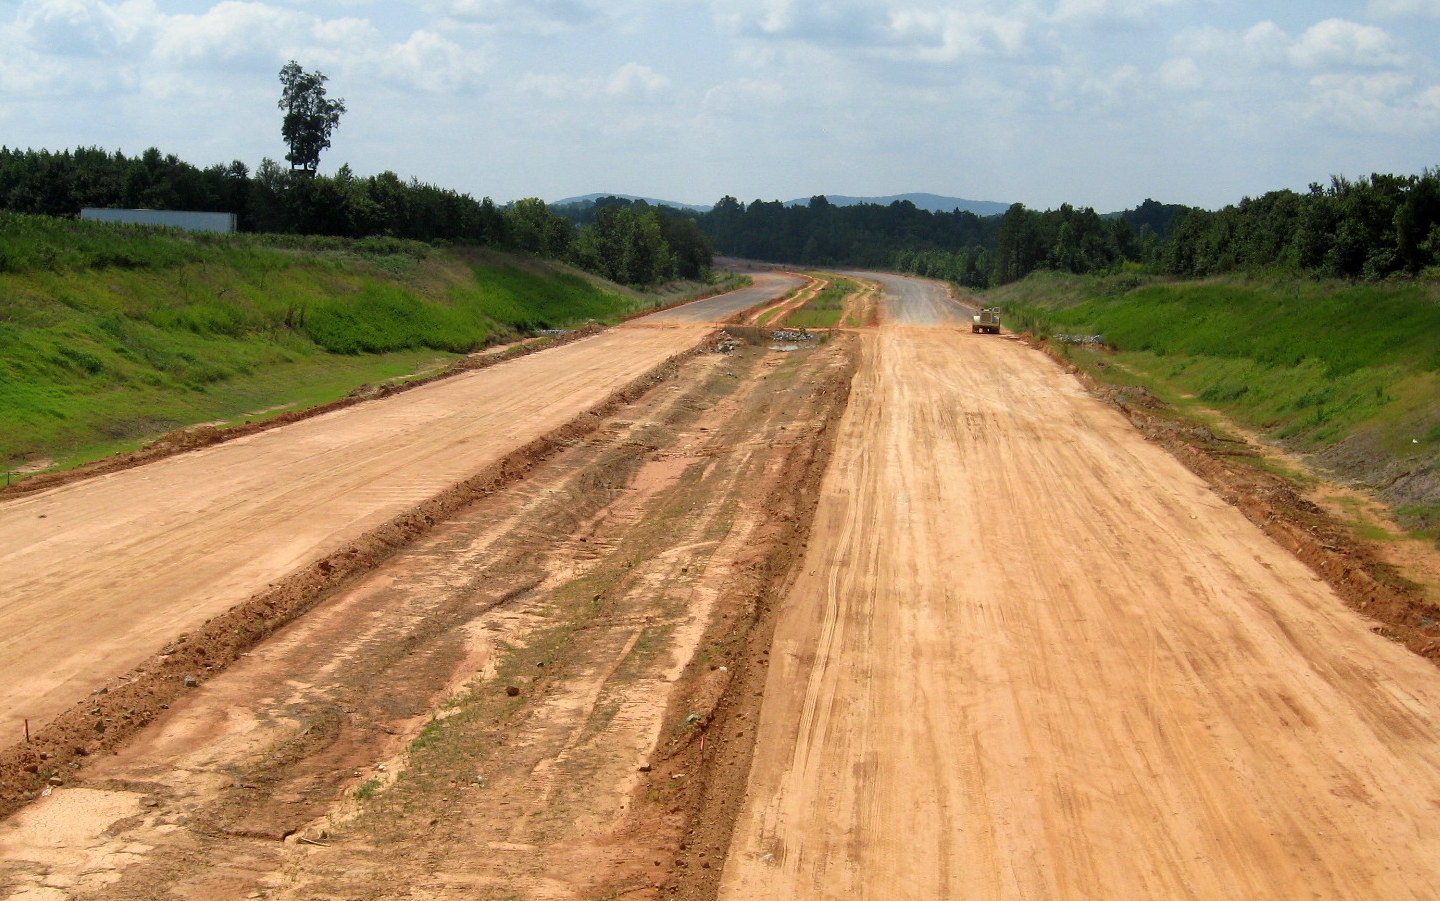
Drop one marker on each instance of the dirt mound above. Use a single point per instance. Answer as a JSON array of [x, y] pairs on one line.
[[698, 780]]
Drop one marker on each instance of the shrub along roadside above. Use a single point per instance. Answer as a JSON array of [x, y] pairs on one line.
[[1350, 373]]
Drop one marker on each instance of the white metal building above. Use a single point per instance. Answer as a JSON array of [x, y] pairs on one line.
[[188, 220]]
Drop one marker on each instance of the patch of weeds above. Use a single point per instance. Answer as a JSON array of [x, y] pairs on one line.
[[688, 723], [1422, 519], [1387, 574], [368, 790], [433, 732]]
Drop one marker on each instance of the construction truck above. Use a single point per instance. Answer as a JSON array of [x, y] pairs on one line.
[[987, 321]]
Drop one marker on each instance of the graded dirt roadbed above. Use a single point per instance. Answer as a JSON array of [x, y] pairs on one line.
[[97, 575], [1030, 656], [612, 589]]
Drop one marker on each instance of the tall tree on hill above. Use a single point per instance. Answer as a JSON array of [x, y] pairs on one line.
[[310, 117]]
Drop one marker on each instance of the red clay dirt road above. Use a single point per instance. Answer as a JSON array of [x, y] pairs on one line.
[[97, 575], [1030, 656]]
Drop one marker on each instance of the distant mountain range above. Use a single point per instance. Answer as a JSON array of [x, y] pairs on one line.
[[932, 202], [935, 203], [591, 198]]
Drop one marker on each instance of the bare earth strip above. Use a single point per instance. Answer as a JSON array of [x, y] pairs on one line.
[[98, 575], [1030, 656]]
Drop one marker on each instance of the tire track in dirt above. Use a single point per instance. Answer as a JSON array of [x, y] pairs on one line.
[[587, 588], [122, 705], [1029, 655]]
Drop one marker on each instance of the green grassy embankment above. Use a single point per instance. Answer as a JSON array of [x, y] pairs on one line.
[[110, 335], [1350, 373], [824, 309]]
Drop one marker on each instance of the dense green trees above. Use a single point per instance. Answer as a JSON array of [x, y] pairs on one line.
[[1370, 228], [822, 234], [631, 242], [60, 183], [641, 247]]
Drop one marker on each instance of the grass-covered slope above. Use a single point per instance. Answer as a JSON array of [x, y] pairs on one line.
[[111, 334], [1348, 372]]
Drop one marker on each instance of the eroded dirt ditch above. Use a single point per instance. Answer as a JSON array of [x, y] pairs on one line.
[[519, 704]]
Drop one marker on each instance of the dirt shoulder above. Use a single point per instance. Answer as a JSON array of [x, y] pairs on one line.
[[1359, 571]]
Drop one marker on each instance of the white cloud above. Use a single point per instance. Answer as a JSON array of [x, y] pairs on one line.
[[1095, 92], [545, 17], [635, 80], [630, 81], [744, 94], [83, 27], [1092, 11], [431, 63], [229, 31], [1368, 103], [1337, 42], [948, 35], [1333, 43], [1404, 9], [844, 22], [1181, 74], [1266, 42]]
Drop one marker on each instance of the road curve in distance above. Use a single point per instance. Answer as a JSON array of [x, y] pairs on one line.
[[917, 301]]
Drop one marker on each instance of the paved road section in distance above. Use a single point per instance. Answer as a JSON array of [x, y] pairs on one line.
[[917, 301], [766, 286]]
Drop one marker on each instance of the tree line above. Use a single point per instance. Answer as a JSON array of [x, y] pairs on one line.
[[632, 244], [1368, 228]]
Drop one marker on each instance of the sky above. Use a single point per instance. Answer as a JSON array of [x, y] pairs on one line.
[[1099, 103]]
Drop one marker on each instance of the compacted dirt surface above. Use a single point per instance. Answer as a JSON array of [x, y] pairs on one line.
[[903, 614], [1028, 655], [98, 575]]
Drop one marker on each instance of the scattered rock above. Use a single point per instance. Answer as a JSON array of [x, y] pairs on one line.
[[192, 682]]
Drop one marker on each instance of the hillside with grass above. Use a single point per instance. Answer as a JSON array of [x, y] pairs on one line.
[[110, 335], [1349, 373]]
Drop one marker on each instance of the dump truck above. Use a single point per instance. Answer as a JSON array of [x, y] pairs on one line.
[[987, 321]]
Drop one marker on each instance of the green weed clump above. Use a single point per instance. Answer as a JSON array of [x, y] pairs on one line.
[[824, 309]]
